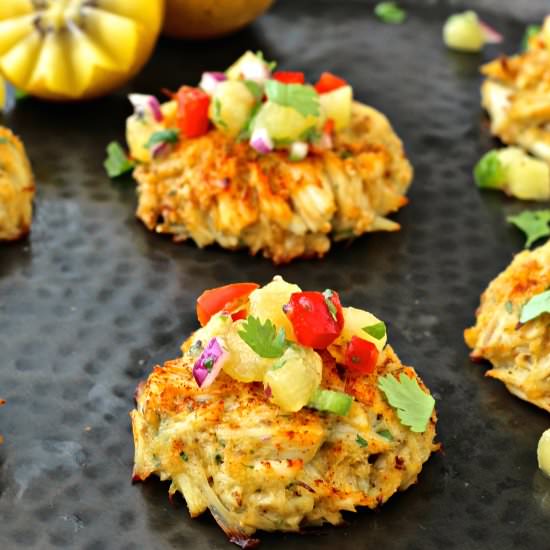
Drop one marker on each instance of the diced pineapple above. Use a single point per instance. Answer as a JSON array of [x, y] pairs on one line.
[[231, 106], [463, 32], [218, 325], [243, 363], [283, 123], [248, 67], [294, 378], [354, 322], [527, 178], [337, 106], [267, 303]]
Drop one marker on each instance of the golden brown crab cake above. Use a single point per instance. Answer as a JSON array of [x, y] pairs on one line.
[[519, 352], [228, 449], [213, 189], [16, 188], [516, 94]]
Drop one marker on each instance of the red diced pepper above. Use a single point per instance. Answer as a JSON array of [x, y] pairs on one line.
[[289, 77], [361, 356], [228, 298], [329, 82], [192, 117], [316, 317]]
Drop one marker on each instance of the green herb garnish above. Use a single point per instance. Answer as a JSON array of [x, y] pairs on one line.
[[530, 31], [301, 97], [184, 456], [386, 434], [170, 135], [270, 64], [378, 330], [390, 12], [489, 172], [117, 162], [264, 338], [414, 406], [209, 363], [534, 223], [311, 134], [535, 307], [255, 89], [361, 442], [327, 295], [509, 307]]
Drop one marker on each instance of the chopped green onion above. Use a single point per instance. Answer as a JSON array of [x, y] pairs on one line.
[[489, 171], [335, 402], [117, 162], [170, 135], [390, 12], [378, 330], [530, 31], [361, 442]]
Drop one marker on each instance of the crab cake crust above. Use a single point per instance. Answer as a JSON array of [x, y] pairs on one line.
[[516, 94], [213, 189], [520, 354], [16, 188], [228, 449]]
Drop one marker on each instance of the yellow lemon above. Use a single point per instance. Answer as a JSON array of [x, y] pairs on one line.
[[210, 18], [76, 49]]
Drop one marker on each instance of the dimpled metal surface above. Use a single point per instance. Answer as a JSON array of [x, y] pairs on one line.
[[91, 301]]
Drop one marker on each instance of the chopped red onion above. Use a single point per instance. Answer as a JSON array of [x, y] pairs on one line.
[[255, 70], [298, 150], [210, 363], [260, 141], [160, 149], [492, 36], [210, 81], [146, 103]]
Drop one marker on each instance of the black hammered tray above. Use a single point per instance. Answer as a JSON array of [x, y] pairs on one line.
[[91, 301]]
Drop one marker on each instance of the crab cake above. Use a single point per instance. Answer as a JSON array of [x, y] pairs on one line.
[[516, 94], [309, 434], [16, 188], [519, 349], [261, 175]]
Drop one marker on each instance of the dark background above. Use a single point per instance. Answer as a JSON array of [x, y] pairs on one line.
[[91, 301]]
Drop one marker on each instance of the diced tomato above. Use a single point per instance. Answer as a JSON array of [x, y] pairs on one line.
[[316, 317], [228, 297], [361, 356], [328, 127], [192, 117], [329, 82], [289, 77]]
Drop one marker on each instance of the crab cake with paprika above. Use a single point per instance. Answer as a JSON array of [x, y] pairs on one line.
[[16, 188], [285, 410], [261, 160], [512, 328]]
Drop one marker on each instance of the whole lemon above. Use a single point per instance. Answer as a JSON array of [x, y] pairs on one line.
[[210, 18], [76, 49]]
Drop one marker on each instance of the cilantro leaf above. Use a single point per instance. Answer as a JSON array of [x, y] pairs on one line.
[[117, 162], [361, 442], [270, 64], [414, 406], [535, 307], [530, 31], [301, 97], [534, 223], [378, 330], [390, 12], [170, 135], [264, 338], [489, 172], [327, 295]]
